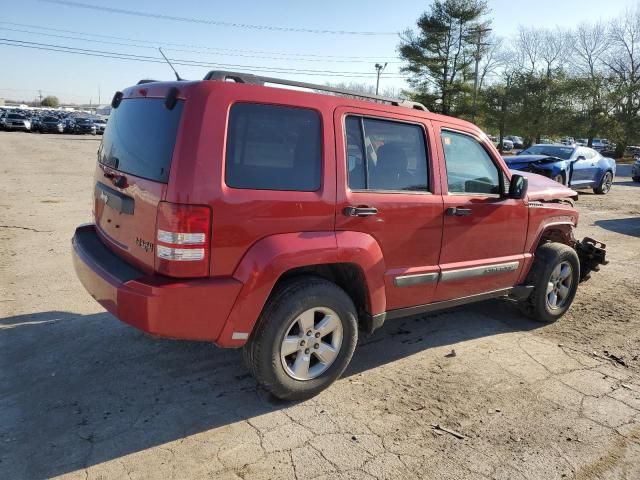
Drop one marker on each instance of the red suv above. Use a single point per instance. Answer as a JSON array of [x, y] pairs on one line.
[[282, 221]]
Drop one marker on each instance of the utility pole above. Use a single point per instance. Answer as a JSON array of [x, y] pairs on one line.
[[479, 32], [379, 68], [40, 95]]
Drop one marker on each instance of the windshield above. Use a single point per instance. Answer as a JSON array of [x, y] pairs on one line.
[[50, 119], [140, 136], [15, 116], [551, 150]]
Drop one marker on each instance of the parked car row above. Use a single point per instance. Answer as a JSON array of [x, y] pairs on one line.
[[52, 121], [513, 142]]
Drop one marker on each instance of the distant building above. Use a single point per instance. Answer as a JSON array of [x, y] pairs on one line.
[[1, 102]]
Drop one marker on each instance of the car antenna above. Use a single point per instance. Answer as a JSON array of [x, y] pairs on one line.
[[174, 70]]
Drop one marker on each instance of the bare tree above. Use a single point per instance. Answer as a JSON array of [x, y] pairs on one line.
[[529, 46], [589, 44], [492, 60], [623, 60], [552, 49]]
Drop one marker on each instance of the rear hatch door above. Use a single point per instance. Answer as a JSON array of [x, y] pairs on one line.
[[131, 178]]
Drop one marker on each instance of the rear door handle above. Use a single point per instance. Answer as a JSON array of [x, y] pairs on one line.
[[458, 212], [363, 211]]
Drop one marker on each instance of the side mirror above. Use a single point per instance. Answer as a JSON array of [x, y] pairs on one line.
[[518, 187]]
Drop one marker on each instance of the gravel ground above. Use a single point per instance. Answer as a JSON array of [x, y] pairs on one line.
[[85, 396]]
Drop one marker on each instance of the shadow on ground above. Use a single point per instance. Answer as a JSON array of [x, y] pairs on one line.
[[627, 183], [79, 390], [627, 226]]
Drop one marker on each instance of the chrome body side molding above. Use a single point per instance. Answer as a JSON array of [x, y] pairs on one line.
[[471, 272], [457, 274], [417, 279]]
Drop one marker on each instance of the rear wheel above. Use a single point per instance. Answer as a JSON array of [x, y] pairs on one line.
[[555, 274], [635, 179], [304, 339], [605, 184]]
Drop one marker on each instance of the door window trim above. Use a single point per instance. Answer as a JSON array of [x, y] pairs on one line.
[[501, 172], [425, 137]]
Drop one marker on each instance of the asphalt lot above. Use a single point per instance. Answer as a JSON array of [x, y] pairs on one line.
[[84, 396]]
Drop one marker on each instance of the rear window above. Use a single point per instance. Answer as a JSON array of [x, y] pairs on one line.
[[272, 147], [140, 138]]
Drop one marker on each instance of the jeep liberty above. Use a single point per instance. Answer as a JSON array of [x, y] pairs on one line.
[[235, 211]]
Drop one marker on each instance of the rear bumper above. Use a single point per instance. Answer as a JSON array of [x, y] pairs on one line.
[[185, 309]]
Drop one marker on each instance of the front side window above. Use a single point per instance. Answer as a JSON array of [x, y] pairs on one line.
[[385, 155], [272, 147], [469, 167]]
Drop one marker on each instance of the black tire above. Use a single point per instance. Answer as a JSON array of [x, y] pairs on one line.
[[547, 258], [288, 302], [635, 179], [605, 184]]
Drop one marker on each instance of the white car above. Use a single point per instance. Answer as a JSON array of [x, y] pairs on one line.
[[15, 121]]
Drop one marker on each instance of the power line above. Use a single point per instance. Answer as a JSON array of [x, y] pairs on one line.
[[195, 62], [218, 23], [183, 62], [134, 45], [154, 44]]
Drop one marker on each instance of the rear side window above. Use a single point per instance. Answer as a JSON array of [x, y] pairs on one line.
[[272, 147], [385, 155], [140, 138]]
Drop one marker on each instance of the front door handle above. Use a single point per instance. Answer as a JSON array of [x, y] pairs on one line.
[[458, 212], [362, 211]]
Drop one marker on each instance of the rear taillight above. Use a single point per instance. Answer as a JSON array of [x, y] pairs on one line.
[[183, 239]]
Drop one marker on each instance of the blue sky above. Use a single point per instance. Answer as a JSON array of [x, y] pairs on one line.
[[77, 78]]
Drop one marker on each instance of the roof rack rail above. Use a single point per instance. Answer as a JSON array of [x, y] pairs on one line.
[[146, 80], [224, 76]]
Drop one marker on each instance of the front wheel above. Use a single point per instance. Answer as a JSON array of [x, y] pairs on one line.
[[605, 184], [304, 339], [555, 274]]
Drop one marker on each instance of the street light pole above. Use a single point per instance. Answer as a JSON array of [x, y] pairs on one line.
[[379, 69]]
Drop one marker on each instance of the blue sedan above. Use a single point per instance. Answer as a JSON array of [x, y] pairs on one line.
[[576, 167]]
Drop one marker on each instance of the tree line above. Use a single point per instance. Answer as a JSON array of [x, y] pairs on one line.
[[582, 82]]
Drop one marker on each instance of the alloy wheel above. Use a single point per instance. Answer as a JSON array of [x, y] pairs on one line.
[[606, 182], [311, 343], [559, 285]]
